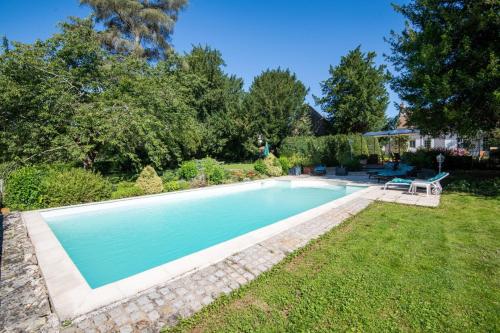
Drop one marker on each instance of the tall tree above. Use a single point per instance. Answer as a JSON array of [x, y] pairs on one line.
[[448, 57], [276, 108], [218, 100], [138, 27], [354, 96]]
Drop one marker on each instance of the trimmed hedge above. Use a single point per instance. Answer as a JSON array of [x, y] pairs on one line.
[[330, 149]]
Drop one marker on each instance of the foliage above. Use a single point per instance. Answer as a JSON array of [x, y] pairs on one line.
[[140, 28], [354, 95], [329, 150], [125, 190], [273, 166], [260, 166], [81, 103], [188, 170], [24, 189], [449, 63], [169, 175], [488, 187], [175, 185], [218, 99], [74, 186], [276, 107], [149, 181], [393, 263], [213, 171], [285, 163], [426, 158]]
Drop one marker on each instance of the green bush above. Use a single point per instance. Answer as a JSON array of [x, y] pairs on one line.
[[352, 164], [169, 175], [125, 190], [24, 188], [273, 166], [176, 185], [285, 164], [484, 183], [426, 158], [260, 167], [214, 172], [188, 170], [149, 182], [74, 186]]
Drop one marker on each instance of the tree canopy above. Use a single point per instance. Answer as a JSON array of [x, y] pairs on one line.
[[354, 96], [276, 108], [68, 99], [137, 27], [448, 57]]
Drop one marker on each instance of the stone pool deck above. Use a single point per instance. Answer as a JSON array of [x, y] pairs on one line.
[[25, 304]]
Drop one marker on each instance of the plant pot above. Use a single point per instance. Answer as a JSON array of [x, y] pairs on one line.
[[295, 171], [308, 170], [5, 211], [363, 162], [341, 171]]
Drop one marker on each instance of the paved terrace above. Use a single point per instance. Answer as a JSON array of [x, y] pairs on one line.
[[25, 304]]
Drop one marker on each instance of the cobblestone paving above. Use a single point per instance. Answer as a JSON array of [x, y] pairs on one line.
[[24, 303], [25, 306]]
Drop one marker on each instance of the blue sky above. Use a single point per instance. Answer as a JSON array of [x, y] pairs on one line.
[[253, 35]]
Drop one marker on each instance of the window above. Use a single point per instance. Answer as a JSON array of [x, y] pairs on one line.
[[428, 143], [413, 144]]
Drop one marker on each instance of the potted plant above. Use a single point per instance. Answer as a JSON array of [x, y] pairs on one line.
[[307, 165], [343, 155], [296, 161]]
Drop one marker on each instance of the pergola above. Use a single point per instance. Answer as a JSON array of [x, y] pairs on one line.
[[391, 133]]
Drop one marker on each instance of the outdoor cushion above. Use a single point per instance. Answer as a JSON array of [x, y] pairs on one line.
[[401, 181]]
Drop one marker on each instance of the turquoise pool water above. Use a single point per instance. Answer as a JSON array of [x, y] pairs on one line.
[[116, 242]]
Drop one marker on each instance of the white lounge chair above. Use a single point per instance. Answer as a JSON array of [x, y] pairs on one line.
[[431, 185], [398, 182]]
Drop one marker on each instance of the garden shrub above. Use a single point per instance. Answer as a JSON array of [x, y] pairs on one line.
[[285, 164], [426, 158], [149, 182], [24, 188], [260, 167], [176, 185], [213, 171], [74, 186], [169, 175], [188, 170], [125, 190], [273, 166], [352, 164]]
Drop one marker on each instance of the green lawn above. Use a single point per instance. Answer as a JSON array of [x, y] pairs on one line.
[[390, 268], [239, 166]]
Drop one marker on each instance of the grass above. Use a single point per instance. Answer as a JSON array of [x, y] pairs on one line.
[[390, 268], [239, 166]]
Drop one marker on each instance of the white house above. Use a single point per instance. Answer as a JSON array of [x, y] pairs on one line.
[[420, 141]]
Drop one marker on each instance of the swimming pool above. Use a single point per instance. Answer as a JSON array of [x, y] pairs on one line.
[[94, 255], [112, 241]]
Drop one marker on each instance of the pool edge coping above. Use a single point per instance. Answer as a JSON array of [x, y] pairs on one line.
[[70, 294]]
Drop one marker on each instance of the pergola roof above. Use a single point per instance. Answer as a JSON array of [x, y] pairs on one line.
[[396, 132]]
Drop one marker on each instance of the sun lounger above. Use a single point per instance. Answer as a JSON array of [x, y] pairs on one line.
[[431, 185]]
